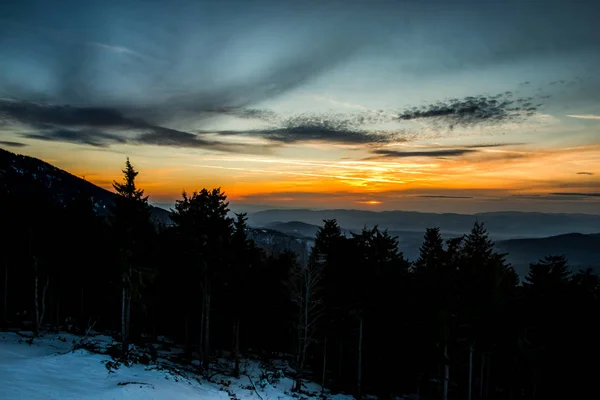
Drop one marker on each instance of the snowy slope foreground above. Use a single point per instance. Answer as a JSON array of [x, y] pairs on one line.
[[47, 369]]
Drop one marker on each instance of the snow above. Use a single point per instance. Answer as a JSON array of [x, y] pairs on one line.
[[47, 369]]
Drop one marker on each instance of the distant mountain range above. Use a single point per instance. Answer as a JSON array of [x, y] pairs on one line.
[[16, 170], [500, 225], [582, 250]]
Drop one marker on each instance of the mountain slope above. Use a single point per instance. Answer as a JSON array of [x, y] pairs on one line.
[[19, 171], [581, 250]]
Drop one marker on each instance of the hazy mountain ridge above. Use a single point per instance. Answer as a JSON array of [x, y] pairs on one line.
[[501, 225], [582, 250]]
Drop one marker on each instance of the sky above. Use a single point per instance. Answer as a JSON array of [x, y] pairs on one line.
[[431, 105]]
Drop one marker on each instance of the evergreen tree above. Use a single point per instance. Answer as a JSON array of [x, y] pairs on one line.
[[549, 274], [244, 256], [205, 231], [132, 229]]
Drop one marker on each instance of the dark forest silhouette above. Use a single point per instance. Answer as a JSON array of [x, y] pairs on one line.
[[352, 313]]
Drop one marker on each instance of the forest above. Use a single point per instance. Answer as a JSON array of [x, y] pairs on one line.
[[351, 314]]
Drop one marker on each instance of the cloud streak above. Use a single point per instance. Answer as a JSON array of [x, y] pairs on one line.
[[587, 116], [12, 144], [576, 194], [319, 128], [102, 127], [473, 110], [445, 197], [385, 153]]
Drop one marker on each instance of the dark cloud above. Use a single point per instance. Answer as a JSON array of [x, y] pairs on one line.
[[310, 133], [101, 127], [445, 197], [191, 69], [340, 129], [473, 110], [492, 145], [174, 138], [576, 194], [250, 113], [319, 129], [83, 136], [12, 144], [585, 173], [383, 153]]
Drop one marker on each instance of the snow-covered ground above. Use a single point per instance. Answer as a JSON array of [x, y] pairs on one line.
[[46, 368]]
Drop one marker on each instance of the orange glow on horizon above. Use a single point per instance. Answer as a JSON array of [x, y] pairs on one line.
[[247, 178], [370, 202]]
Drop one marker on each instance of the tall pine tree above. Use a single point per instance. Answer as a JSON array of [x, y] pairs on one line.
[[132, 230]]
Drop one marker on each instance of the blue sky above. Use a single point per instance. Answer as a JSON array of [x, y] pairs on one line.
[[427, 105]]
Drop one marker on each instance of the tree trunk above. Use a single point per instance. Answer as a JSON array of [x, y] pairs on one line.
[[487, 374], [359, 369], [44, 291], [236, 348], [4, 306], [446, 373], [470, 372], [36, 296], [124, 343], [341, 361], [187, 335], [534, 386], [81, 304], [57, 314], [205, 361], [324, 365], [202, 327], [481, 375], [128, 317]]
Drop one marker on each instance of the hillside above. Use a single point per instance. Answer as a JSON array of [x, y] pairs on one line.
[[18, 172], [47, 368], [582, 251]]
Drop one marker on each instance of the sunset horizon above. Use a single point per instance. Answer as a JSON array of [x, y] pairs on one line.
[[485, 108]]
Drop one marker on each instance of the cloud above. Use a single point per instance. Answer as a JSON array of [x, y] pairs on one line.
[[473, 110], [117, 49], [12, 144], [588, 116], [174, 138], [339, 129], [101, 127], [384, 153], [83, 136], [445, 197], [248, 113], [585, 173], [576, 194], [492, 145]]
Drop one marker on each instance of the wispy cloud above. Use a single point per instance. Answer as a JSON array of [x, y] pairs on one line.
[[102, 127], [82, 136], [307, 174], [576, 194], [445, 197], [431, 153], [12, 144], [585, 173], [117, 49], [473, 110], [586, 116]]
